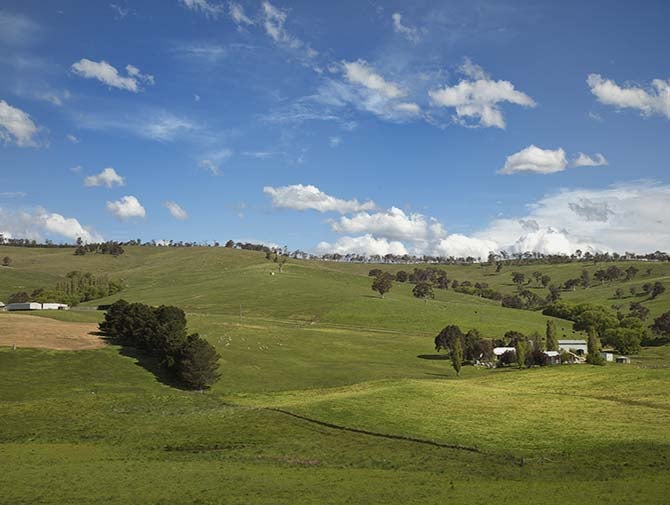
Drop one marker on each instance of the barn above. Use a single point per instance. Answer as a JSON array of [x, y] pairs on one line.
[[25, 306], [579, 347]]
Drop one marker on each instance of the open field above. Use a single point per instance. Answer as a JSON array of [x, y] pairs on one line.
[[42, 333], [329, 395]]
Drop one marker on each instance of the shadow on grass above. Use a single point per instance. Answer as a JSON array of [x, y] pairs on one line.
[[438, 357], [149, 363]]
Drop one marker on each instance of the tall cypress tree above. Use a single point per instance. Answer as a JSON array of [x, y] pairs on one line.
[[457, 355], [551, 340]]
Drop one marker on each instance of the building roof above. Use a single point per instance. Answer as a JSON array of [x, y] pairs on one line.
[[552, 354], [566, 342], [499, 351]]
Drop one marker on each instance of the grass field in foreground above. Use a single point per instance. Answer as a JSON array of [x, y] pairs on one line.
[[94, 426]]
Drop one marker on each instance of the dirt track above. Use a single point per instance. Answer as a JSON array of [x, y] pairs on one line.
[[41, 332]]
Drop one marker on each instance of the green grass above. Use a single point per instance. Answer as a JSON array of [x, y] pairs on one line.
[[95, 427]]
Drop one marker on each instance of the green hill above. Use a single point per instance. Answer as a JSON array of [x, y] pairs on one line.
[[380, 419]]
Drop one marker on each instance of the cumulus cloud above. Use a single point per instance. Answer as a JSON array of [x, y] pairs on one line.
[[109, 75], [72, 138], [360, 72], [176, 210], [591, 210], [411, 34], [479, 98], [584, 160], [39, 224], [462, 246], [17, 127], [308, 197], [364, 245], [536, 160], [393, 223], [623, 217], [108, 177], [126, 208], [652, 101], [204, 7]]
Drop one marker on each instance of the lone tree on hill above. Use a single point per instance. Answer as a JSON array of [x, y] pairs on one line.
[[423, 290], [518, 278], [457, 356], [6, 261], [382, 283], [657, 289], [551, 340]]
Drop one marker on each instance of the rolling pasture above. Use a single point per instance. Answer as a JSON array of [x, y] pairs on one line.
[[329, 394]]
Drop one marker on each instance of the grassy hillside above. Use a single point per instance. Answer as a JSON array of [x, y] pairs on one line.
[[316, 342]]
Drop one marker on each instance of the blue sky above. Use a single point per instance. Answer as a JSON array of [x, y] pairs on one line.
[[444, 128]]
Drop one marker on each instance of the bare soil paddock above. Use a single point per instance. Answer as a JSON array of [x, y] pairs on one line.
[[30, 331]]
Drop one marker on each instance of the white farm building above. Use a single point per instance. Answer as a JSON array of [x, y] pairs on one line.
[[36, 306], [579, 347]]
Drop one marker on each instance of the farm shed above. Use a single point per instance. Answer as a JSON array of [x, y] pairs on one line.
[[624, 360], [607, 356], [54, 306], [2, 306], [499, 351], [579, 347], [553, 357], [25, 306]]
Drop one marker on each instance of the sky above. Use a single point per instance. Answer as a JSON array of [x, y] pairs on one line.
[[445, 128]]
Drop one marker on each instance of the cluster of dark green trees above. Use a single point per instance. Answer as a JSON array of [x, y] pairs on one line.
[[113, 248], [625, 332], [161, 332], [75, 288]]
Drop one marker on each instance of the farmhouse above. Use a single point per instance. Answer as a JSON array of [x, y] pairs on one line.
[[36, 306], [579, 347]]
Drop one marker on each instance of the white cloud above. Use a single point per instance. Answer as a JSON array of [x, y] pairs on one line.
[[408, 107], [472, 70], [72, 138], [480, 98], [274, 19], [120, 11], [158, 125], [365, 245], [16, 126], [109, 75], [39, 223], [584, 160], [126, 208], [536, 160], [624, 217], [392, 224], [236, 12], [17, 29], [12, 194], [334, 141], [176, 210], [653, 101], [547, 161], [411, 34], [213, 160], [108, 177], [306, 197], [462, 246], [360, 72], [203, 6]]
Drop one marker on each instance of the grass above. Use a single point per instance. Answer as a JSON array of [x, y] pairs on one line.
[[94, 426]]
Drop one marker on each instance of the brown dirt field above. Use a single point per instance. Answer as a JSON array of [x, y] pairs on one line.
[[43, 333]]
